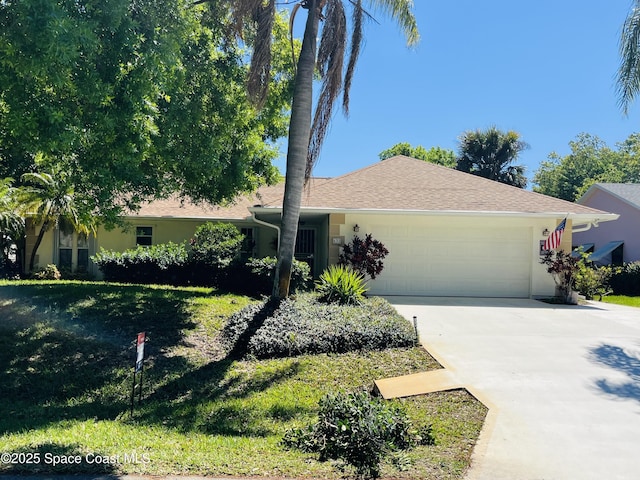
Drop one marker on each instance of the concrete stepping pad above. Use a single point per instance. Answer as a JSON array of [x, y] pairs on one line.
[[417, 384]]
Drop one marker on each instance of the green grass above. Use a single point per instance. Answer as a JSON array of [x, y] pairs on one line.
[[622, 300], [66, 355]]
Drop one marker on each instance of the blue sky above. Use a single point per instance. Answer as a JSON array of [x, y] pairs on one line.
[[545, 69]]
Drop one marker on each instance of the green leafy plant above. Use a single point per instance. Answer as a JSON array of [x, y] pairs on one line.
[[165, 263], [592, 280], [263, 269], [255, 276], [340, 284], [306, 326], [626, 281], [357, 429], [50, 272], [216, 244], [364, 256]]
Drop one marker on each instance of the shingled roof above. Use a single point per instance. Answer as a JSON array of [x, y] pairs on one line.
[[404, 183], [396, 184], [175, 207], [627, 192]]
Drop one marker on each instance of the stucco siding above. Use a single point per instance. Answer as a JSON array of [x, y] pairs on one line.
[[626, 228], [119, 239]]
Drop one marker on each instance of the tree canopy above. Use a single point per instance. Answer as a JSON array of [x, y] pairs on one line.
[[135, 99], [490, 153], [436, 155], [589, 162]]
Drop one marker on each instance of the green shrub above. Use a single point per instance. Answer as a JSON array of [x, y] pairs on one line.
[[340, 284], [357, 429], [591, 280], [214, 247], [305, 326], [626, 281], [50, 272], [216, 244], [255, 277], [166, 263]]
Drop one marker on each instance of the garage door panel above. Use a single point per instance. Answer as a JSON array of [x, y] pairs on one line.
[[453, 261]]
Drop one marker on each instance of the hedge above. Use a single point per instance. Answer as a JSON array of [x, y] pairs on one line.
[[627, 281], [305, 325], [166, 263]]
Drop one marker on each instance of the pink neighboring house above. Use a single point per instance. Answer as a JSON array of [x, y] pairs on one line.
[[620, 236]]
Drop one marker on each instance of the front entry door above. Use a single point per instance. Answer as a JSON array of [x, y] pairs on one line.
[[306, 247]]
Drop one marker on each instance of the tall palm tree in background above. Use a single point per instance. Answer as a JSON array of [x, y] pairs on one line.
[[490, 154], [49, 199], [306, 128], [628, 78]]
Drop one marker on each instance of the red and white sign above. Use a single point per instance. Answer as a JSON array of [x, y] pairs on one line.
[[140, 351]]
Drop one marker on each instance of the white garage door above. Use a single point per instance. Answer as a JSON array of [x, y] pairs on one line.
[[449, 261]]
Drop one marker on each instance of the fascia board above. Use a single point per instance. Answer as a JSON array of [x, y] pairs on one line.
[[579, 217]]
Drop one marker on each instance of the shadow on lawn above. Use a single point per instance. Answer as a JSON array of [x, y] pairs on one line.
[[204, 399], [66, 351], [618, 359], [53, 458], [103, 312], [70, 357]]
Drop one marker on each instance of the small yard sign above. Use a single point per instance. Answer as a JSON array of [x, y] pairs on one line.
[[140, 351], [138, 369]]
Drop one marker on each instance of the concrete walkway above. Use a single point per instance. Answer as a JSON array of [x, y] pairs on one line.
[[562, 383]]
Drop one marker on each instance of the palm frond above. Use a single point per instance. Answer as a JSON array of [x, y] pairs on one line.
[[11, 222], [354, 54], [402, 12], [50, 198], [628, 78], [330, 63], [260, 68], [292, 20], [241, 11]]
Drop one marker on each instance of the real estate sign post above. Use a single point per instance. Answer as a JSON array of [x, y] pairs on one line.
[[138, 369]]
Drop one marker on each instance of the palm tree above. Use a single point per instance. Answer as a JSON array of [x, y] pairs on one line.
[[489, 154], [307, 129], [628, 78], [11, 222], [49, 199]]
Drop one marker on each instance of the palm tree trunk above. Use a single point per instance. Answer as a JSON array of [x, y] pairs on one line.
[[43, 230], [297, 151]]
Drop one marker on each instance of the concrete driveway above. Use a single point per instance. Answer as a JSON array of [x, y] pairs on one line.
[[562, 383]]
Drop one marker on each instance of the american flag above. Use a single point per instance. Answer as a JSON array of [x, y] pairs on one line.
[[553, 241]]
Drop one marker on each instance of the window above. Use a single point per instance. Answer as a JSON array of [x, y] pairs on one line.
[[65, 246], [305, 242], [83, 253], [248, 244], [72, 249], [144, 236]]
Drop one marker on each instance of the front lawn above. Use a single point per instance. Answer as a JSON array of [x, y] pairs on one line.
[[622, 300], [66, 356]]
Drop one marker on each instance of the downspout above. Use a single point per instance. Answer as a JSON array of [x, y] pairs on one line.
[[585, 228], [267, 224]]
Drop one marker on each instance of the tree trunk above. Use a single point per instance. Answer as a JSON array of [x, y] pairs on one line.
[[298, 148], [43, 230]]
